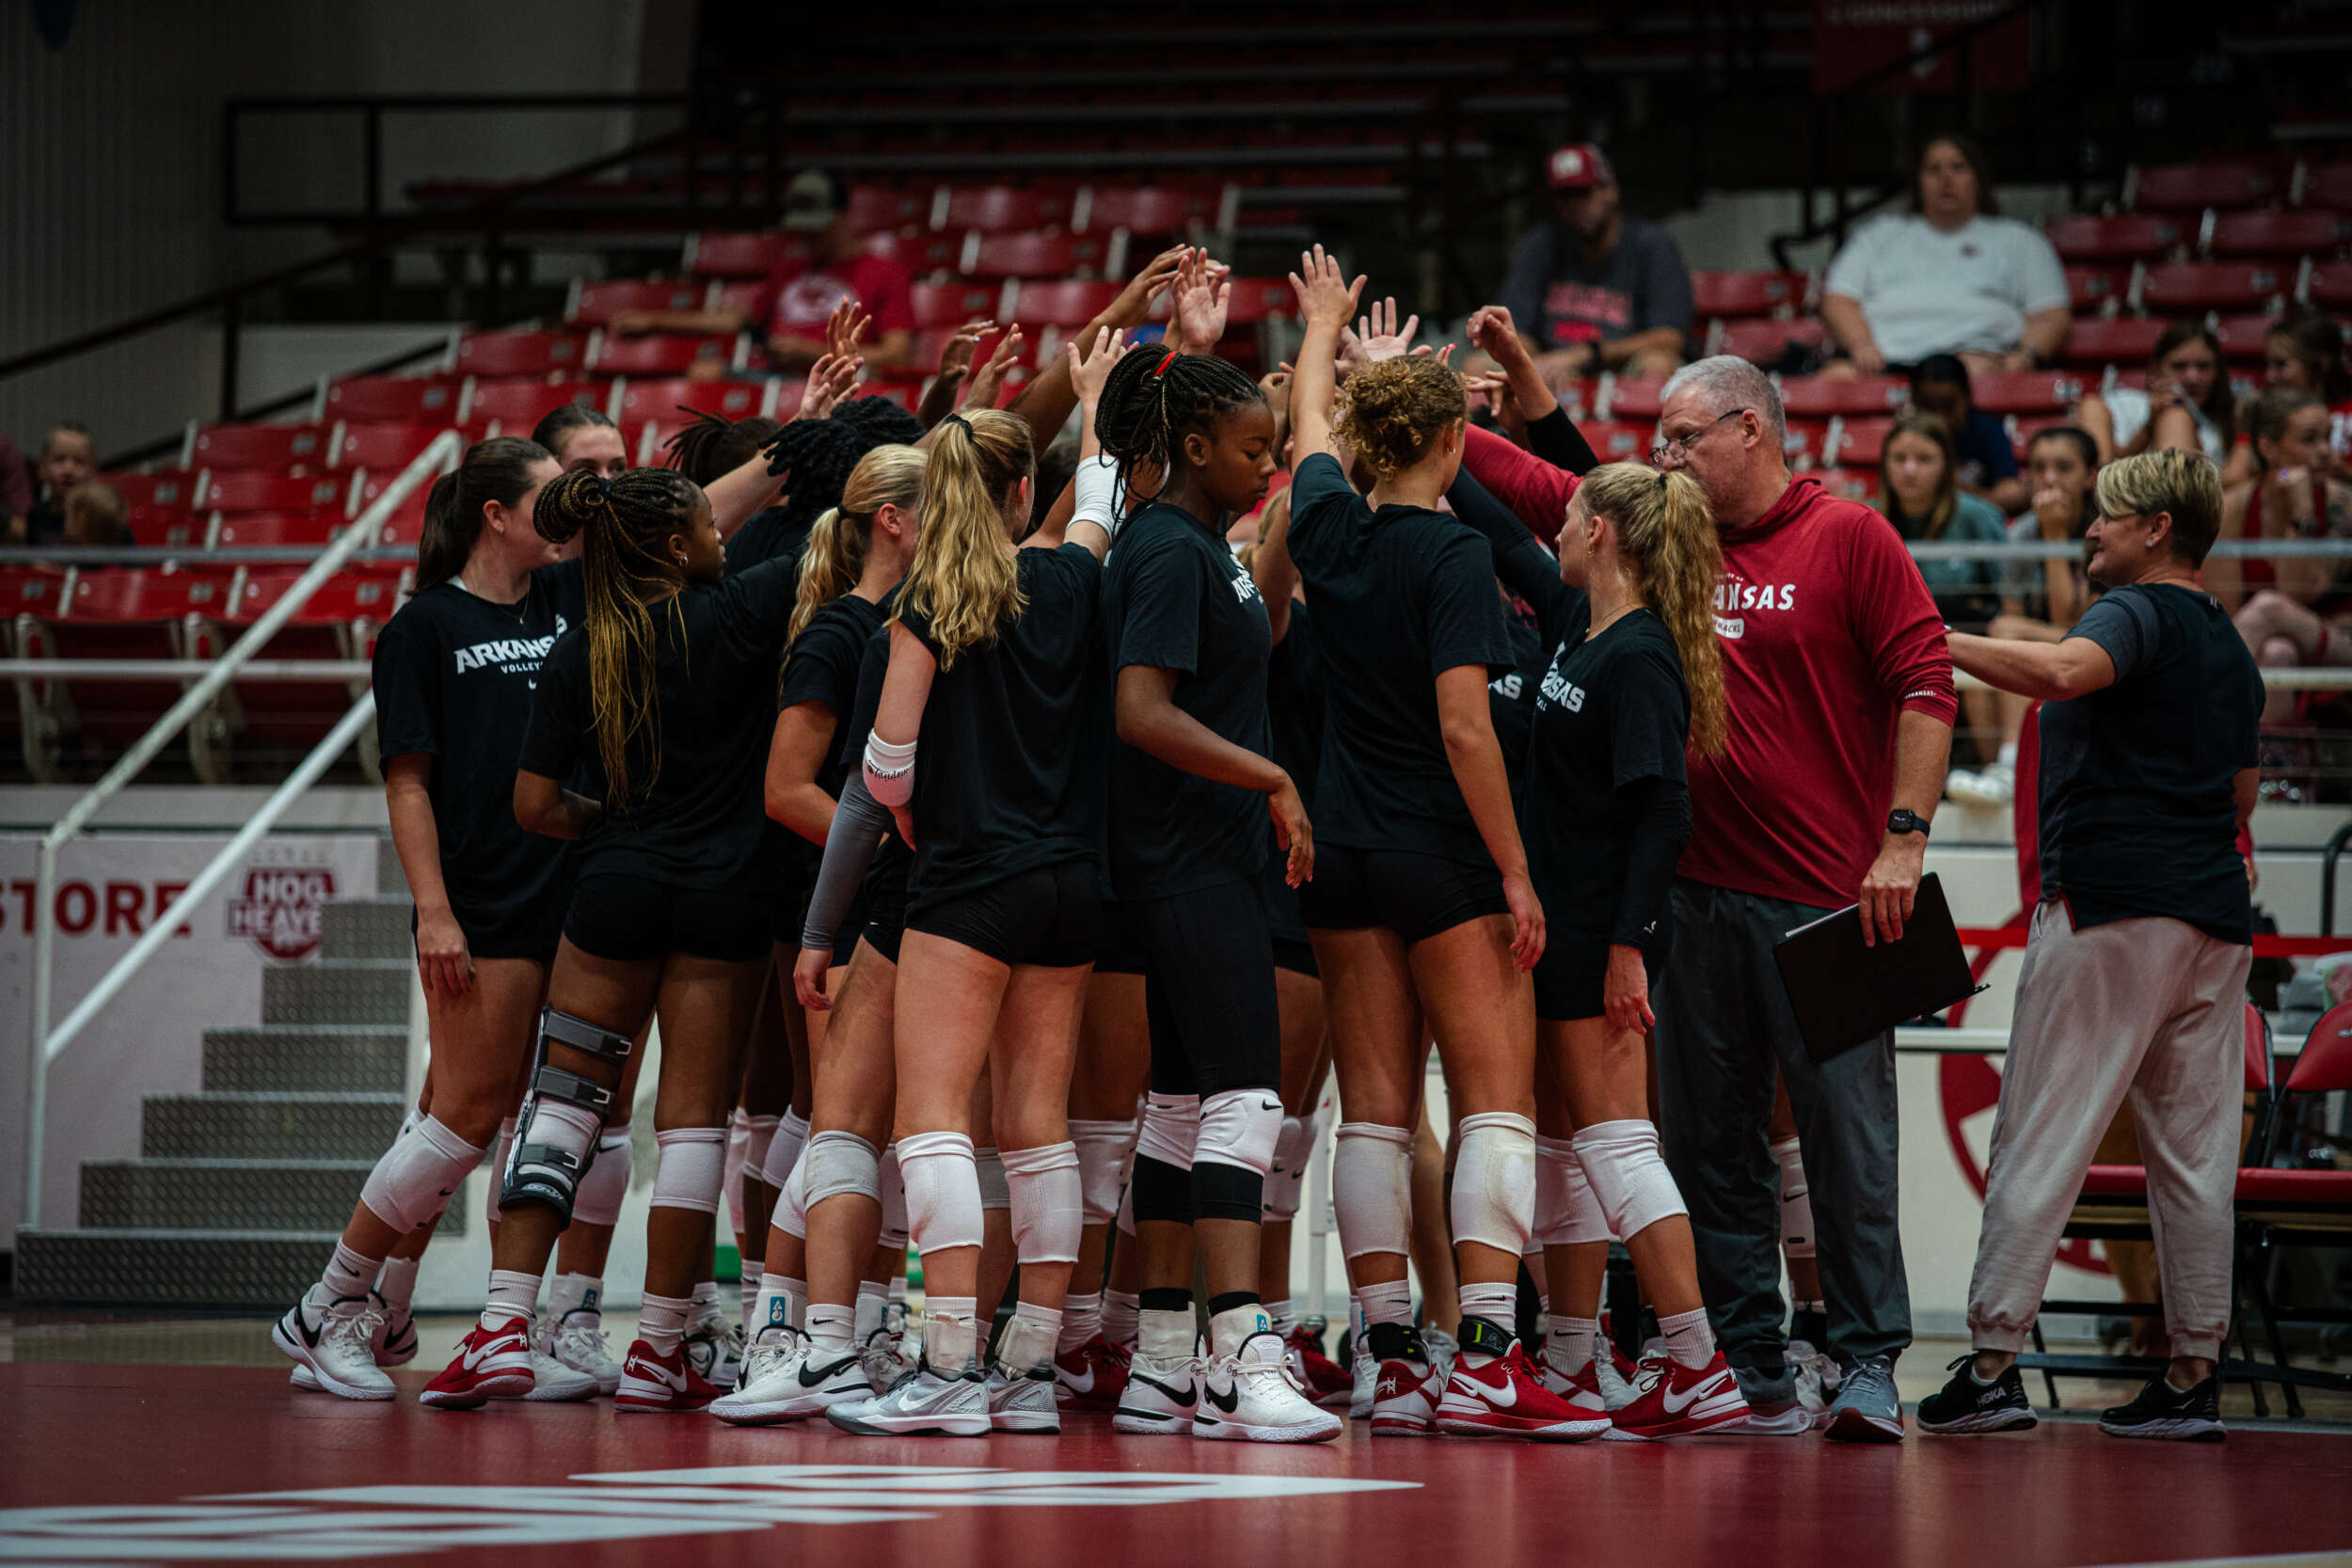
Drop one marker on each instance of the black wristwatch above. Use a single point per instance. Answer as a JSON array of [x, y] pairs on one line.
[[1906, 822]]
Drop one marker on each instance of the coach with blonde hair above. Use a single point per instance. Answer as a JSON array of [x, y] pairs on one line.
[[2134, 975]]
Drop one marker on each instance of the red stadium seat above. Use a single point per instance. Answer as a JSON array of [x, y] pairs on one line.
[[1745, 294], [254, 492], [338, 621], [2120, 340], [1848, 484], [406, 525], [2210, 285], [2328, 283], [661, 399], [2329, 185], [2093, 288], [126, 595], [751, 256], [134, 612], [415, 398], [2026, 391], [270, 448], [2308, 232], [953, 304], [999, 210], [1144, 210], [2214, 182], [741, 297], [907, 393], [1859, 441], [928, 341], [359, 593], [1255, 300], [1069, 303], [921, 253], [1808, 442], [596, 304], [1632, 399], [659, 354], [1819, 397], [1620, 440], [2242, 337], [381, 446], [1765, 340], [1037, 254], [516, 407], [156, 503], [258, 529], [34, 590], [874, 208], [2082, 237], [520, 353], [2024, 427]]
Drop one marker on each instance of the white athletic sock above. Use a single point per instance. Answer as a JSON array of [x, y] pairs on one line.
[[513, 1294], [780, 1307], [1689, 1340], [830, 1327], [348, 1276], [568, 1293], [1388, 1303], [661, 1321], [1165, 1336], [897, 1283], [1081, 1321], [873, 1302], [1568, 1343], [1497, 1304], [708, 1312], [1229, 1328], [1122, 1316], [2009, 754], [1278, 1313], [1028, 1341], [950, 1333], [396, 1282]]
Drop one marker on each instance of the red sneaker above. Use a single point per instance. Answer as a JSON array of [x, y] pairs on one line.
[[1090, 1377], [1680, 1401], [660, 1385], [490, 1364], [1404, 1399], [1579, 1388], [1505, 1398], [1323, 1375]]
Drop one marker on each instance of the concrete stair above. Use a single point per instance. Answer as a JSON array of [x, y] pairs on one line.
[[240, 1189]]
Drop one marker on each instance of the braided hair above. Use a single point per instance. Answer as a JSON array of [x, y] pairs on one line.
[[882, 421], [710, 445], [625, 524], [1156, 397]]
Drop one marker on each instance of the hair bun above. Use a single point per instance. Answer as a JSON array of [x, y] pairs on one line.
[[567, 502]]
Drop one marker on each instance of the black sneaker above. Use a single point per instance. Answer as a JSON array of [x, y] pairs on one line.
[[1965, 1405], [2179, 1415]]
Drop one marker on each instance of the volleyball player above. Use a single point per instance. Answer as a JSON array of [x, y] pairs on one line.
[[664, 688], [1422, 903], [453, 672], [982, 748]]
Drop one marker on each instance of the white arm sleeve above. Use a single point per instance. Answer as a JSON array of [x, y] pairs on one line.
[[1097, 481]]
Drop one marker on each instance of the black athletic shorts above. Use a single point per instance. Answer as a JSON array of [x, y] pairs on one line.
[[1122, 948], [1208, 989], [629, 919], [884, 900], [1413, 894], [1571, 978], [787, 909], [1051, 916], [1291, 948], [531, 931], [1296, 954]]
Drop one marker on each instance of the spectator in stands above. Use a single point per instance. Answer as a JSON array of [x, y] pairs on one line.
[[1919, 493], [790, 309], [1987, 463], [16, 489], [1595, 290], [2291, 617], [96, 516], [1952, 276], [2187, 406], [2304, 348], [67, 457], [2041, 600]]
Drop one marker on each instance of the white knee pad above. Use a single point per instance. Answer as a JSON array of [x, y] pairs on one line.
[[759, 1136], [1102, 1145], [1629, 1175], [602, 1190], [412, 1182], [988, 1167], [784, 1150], [1286, 1181], [1046, 1202], [942, 1184], [894, 1202], [1567, 1212], [498, 1168], [791, 1212], [738, 1154], [689, 1169], [1494, 1180], [1171, 1126], [1371, 1188], [1796, 1200], [1239, 1127], [1126, 1221], [837, 1163]]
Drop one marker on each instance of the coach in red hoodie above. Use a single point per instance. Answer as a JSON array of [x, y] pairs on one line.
[[1841, 700]]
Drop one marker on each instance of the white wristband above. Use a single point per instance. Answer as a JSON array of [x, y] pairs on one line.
[[889, 771], [1099, 494]]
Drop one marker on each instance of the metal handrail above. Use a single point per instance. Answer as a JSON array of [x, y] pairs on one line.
[[179, 669], [39, 1046]]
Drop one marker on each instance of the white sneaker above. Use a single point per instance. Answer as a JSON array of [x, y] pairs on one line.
[[1617, 1390], [1995, 785], [336, 1346], [394, 1344], [1023, 1402], [1442, 1348], [714, 1349], [578, 1342], [925, 1404], [553, 1383], [1160, 1396], [1816, 1376], [783, 1382], [1361, 1397], [1248, 1397]]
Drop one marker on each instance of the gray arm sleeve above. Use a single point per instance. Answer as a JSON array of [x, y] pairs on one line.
[[858, 825]]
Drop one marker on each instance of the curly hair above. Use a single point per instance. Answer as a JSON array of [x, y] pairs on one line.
[[1390, 414], [1155, 396], [710, 445]]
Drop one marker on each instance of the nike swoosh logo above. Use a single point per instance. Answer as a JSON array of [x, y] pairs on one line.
[[655, 1372], [1185, 1399], [1696, 1392], [1502, 1395], [808, 1382], [1078, 1387], [310, 1336], [475, 1354], [1270, 1105], [1228, 1401]]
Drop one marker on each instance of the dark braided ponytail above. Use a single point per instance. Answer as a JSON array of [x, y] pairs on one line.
[[710, 445], [1155, 396], [624, 525]]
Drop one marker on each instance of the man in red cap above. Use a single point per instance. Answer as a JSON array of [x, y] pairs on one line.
[[1593, 289]]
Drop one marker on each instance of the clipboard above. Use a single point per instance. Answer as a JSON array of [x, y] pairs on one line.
[[1844, 993]]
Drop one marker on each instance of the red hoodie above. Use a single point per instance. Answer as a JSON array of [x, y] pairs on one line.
[[1827, 633]]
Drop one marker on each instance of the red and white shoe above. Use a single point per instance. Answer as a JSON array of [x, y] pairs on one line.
[[1582, 1389], [1680, 1401], [1504, 1397], [1090, 1377], [1405, 1400], [1323, 1376], [490, 1364], [660, 1385]]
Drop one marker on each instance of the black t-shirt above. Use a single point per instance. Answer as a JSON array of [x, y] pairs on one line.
[[1295, 704], [454, 678], [821, 667], [770, 534], [885, 890], [2138, 817], [1009, 771], [1174, 598], [1401, 594], [703, 823], [1610, 711]]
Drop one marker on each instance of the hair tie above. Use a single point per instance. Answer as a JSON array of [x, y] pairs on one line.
[[1661, 478], [1173, 355], [957, 419]]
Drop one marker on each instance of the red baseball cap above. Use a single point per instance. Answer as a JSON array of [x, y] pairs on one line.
[[1579, 166]]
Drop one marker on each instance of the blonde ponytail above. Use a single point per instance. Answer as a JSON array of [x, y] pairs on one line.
[[964, 577], [834, 557], [1667, 535]]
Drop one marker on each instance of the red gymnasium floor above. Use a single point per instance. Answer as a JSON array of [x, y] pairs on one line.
[[106, 1462]]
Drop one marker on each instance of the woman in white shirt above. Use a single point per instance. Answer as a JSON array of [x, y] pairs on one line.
[[2186, 405], [1951, 277]]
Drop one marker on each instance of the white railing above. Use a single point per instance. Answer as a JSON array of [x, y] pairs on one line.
[[41, 1045], [180, 669]]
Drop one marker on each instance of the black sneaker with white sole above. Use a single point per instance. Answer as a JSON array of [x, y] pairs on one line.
[[1964, 1406], [2175, 1414]]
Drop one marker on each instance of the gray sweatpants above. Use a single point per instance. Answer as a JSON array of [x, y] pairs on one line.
[[2153, 1008], [1724, 1032]]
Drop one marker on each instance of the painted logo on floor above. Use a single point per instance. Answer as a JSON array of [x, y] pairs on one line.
[[372, 1521]]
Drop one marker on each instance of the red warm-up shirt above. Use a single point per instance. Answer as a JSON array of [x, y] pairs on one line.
[[1529, 486]]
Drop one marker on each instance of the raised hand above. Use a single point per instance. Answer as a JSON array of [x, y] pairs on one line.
[[990, 378], [829, 381], [957, 352], [1495, 334], [1381, 337], [1133, 307], [1088, 374], [1197, 303], [844, 329], [1325, 295]]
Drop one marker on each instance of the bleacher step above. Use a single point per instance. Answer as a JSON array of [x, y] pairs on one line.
[[339, 990], [367, 928], [315, 1059], [255, 1270], [226, 1195], [269, 1126]]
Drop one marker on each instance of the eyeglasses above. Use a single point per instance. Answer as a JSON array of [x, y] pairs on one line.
[[1680, 445]]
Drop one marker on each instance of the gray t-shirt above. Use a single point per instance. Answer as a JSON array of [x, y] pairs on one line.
[[1558, 298], [2028, 581]]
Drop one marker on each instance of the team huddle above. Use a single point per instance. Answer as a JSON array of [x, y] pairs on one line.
[[1011, 860]]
